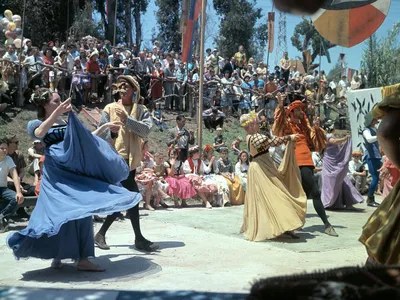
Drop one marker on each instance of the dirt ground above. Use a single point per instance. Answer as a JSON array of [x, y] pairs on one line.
[[201, 250]]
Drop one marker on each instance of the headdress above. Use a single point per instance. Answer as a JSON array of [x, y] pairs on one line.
[[208, 147], [296, 104], [40, 96], [247, 118], [172, 147]]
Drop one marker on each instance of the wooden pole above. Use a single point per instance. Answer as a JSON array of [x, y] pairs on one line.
[[20, 92], [201, 74], [115, 22]]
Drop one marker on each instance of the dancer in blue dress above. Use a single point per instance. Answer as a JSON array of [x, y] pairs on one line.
[[81, 178]]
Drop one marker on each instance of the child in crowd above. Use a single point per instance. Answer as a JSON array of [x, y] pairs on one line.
[[226, 169], [158, 118], [145, 176], [357, 173], [195, 169], [10, 198], [242, 166], [178, 184], [236, 145], [218, 140], [160, 189], [222, 198], [37, 187], [217, 99]]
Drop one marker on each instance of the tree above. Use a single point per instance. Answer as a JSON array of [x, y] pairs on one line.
[[83, 26], [45, 20], [238, 21], [305, 35], [168, 23], [335, 73], [139, 7], [381, 59]]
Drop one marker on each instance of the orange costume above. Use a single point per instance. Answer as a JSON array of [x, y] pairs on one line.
[[311, 138]]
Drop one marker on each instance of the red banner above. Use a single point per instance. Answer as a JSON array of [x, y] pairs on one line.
[[271, 31]]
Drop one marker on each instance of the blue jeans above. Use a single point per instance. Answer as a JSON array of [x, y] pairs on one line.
[[161, 125], [8, 201], [374, 164]]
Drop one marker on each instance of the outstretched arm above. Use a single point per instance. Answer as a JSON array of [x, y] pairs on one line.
[[281, 126]]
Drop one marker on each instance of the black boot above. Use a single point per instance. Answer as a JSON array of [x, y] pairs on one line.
[[371, 202]]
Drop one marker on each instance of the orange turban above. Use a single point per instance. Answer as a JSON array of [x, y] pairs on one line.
[[296, 104]]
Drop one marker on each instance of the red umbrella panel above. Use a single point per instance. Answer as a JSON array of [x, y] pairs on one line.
[[348, 27]]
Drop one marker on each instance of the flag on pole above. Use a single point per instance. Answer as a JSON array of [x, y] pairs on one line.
[[271, 31], [193, 16], [350, 73]]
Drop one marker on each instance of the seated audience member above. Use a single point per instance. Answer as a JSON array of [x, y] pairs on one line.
[[357, 172], [37, 187], [34, 154], [242, 166], [318, 162], [20, 165], [158, 118], [236, 145], [218, 140], [389, 175], [227, 170], [8, 198], [160, 188], [195, 169], [178, 185], [222, 197], [213, 118]]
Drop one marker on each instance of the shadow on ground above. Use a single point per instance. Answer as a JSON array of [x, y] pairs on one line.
[[130, 268]]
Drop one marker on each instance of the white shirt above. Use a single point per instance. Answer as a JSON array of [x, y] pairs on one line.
[[12, 57], [241, 169], [353, 167], [6, 165], [317, 159], [367, 135], [203, 168], [31, 61]]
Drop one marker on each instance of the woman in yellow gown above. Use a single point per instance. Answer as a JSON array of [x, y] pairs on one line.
[[275, 201], [381, 234]]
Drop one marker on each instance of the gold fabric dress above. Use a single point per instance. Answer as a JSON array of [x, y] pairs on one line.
[[275, 200], [381, 234]]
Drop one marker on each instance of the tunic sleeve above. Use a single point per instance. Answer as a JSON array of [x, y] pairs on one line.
[[281, 126], [318, 137], [32, 125]]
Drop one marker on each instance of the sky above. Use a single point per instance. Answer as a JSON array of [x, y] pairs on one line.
[[353, 55]]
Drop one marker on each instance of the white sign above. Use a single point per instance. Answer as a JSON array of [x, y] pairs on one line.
[[360, 103]]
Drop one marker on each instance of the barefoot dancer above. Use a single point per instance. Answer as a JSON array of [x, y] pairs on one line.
[[137, 123], [71, 191], [294, 121]]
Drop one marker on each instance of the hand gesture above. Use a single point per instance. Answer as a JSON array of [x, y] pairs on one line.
[[281, 99], [121, 114], [20, 198], [114, 126], [384, 172], [294, 137], [64, 107]]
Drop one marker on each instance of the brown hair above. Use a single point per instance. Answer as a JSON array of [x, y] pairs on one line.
[[41, 97]]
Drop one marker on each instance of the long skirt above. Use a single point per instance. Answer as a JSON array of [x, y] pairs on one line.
[[381, 234], [275, 200], [80, 178], [337, 189], [180, 187], [236, 191]]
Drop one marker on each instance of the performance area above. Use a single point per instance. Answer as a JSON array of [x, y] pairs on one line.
[[201, 250]]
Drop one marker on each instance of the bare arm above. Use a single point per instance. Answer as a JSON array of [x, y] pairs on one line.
[[14, 175]]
